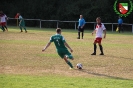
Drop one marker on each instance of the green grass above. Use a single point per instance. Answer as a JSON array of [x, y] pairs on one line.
[[23, 65], [51, 81]]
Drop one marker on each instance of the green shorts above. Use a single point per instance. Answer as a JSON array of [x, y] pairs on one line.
[[22, 24], [63, 52]]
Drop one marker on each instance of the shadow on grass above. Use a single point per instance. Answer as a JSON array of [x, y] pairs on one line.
[[103, 75], [119, 57]]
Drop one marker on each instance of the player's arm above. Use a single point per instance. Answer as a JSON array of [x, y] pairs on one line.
[[20, 21], [49, 43], [6, 17], [68, 46], [104, 31], [78, 25], [83, 24]]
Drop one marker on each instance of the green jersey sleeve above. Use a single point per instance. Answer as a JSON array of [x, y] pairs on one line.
[[51, 39], [63, 39]]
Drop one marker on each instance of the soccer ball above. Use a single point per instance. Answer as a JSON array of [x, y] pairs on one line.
[[79, 66]]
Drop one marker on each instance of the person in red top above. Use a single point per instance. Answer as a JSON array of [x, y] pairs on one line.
[[3, 19], [100, 28]]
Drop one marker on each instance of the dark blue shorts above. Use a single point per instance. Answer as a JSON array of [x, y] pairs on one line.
[[81, 29]]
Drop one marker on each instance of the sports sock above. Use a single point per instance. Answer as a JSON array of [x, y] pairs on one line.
[[25, 29], [21, 28], [70, 64], [101, 48], [82, 35], [3, 28], [78, 34], [95, 47]]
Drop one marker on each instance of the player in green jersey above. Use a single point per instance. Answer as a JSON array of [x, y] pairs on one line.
[[61, 45], [21, 23]]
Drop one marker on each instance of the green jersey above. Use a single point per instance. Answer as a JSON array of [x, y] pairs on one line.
[[21, 21], [59, 41]]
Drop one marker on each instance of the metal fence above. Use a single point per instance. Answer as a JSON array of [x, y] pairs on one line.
[[75, 23]]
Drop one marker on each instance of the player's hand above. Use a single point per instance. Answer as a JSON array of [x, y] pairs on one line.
[[92, 33], [43, 50], [71, 50], [104, 36]]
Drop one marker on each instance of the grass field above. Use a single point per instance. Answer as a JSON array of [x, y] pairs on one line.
[[23, 65]]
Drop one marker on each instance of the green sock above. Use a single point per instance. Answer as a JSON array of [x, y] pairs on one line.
[[3, 28], [69, 63], [21, 28], [25, 29]]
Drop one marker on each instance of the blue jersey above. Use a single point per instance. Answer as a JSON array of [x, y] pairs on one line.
[[81, 22], [120, 21]]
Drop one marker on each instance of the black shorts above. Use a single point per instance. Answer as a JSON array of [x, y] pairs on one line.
[[119, 25], [81, 29]]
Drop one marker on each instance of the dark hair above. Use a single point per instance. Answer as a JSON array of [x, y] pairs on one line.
[[58, 30], [98, 18]]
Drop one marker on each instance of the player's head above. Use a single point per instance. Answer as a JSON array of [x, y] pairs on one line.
[[58, 30], [18, 14], [1, 13], [81, 16], [98, 20]]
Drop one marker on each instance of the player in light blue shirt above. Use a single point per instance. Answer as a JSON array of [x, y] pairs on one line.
[[81, 26]]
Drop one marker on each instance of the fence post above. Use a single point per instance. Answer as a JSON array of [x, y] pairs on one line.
[[75, 25], [112, 27], [40, 24], [94, 26], [132, 28]]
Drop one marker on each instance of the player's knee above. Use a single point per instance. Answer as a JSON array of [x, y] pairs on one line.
[[94, 43], [99, 44], [65, 59], [70, 57]]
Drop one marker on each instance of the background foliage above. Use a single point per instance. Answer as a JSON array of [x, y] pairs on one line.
[[64, 9]]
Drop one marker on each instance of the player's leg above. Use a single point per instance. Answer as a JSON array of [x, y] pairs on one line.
[[122, 28], [119, 28], [2, 27], [65, 57], [100, 46], [24, 27], [20, 26], [67, 61], [79, 29], [101, 49], [21, 29], [68, 55], [4, 24], [95, 47], [6, 28], [82, 33]]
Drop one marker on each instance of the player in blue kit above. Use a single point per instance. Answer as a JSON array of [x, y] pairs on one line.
[[81, 26]]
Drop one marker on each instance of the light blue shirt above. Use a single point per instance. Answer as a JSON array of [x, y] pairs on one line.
[[120, 21], [81, 22], [20, 17]]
